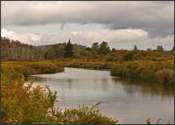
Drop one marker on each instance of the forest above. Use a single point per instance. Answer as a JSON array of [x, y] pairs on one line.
[[27, 105]]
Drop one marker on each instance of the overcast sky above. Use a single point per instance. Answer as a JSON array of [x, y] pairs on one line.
[[122, 24]]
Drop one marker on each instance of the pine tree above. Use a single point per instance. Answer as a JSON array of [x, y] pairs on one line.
[[135, 48], [68, 51]]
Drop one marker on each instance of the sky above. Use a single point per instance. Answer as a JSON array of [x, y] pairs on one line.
[[122, 24]]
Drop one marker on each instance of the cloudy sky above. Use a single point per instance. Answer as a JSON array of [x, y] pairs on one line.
[[122, 24]]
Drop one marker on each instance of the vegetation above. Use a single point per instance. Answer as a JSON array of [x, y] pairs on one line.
[[29, 68], [148, 121], [146, 70], [35, 105], [15, 50], [68, 51], [86, 115]]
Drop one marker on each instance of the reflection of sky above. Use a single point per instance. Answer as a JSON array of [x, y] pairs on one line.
[[121, 100]]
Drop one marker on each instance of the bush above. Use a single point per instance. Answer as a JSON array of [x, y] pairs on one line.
[[161, 72], [85, 115], [164, 76]]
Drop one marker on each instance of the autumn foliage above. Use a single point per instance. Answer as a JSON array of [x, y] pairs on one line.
[[25, 104], [35, 105]]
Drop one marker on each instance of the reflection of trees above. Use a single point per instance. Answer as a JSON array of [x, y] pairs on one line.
[[105, 85], [132, 86], [70, 85], [131, 90]]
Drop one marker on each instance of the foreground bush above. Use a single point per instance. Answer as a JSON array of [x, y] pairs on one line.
[[148, 121], [86, 115]]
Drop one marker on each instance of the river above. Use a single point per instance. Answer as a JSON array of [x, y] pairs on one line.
[[131, 102]]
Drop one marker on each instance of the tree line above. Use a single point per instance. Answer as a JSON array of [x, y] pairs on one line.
[[15, 50]]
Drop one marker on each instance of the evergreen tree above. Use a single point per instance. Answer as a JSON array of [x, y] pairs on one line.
[[135, 48], [68, 51]]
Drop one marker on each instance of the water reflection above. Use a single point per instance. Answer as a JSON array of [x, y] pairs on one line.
[[131, 101], [130, 86], [70, 85], [152, 89]]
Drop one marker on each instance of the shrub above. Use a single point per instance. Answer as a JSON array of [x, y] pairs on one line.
[[164, 76], [145, 70], [86, 115]]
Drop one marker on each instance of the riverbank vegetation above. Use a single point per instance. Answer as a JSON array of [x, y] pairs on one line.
[[29, 68], [35, 105], [155, 65], [25, 104]]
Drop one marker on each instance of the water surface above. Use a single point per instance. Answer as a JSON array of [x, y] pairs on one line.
[[129, 101]]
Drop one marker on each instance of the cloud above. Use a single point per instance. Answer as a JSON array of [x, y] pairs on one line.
[[23, 38], [119, 39], [156, 18], [123, 35]]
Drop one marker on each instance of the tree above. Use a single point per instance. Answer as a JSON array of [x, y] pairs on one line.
[[59, 49], [68, 51], [95, 48], [149, 49], [160, 49], [51, 54], [135, 48], [88, 49], [113, 50], [104, 48]]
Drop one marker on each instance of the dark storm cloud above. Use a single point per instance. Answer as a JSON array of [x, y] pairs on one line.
[[157, 17]]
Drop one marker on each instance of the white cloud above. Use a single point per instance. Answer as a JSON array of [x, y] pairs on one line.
[[24, 38], [4, 33], [124, 35], [119, 39]]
